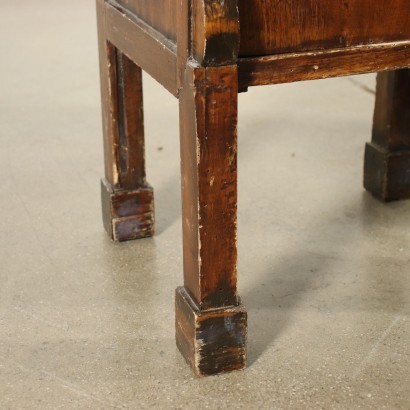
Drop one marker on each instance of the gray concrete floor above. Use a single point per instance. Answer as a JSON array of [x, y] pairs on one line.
[[324, 268]]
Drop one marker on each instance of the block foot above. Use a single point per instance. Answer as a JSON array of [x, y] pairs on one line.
[[387, 174], [127, 215], [211, 341]]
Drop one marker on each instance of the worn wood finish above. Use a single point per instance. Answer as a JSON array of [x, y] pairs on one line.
[[208, 121], [127, 214], [159, 14], [108, 88], [215, 32], [127, 199], [192, 47], [183, 40], [211, 324], [286, 68], [130, 124], [272, 26], [387, 158], [212, 341], [147, 47]]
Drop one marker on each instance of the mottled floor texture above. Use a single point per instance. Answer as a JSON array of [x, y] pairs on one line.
[[324, 269]]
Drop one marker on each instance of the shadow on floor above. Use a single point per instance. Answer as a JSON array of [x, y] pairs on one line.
[[291, 277]]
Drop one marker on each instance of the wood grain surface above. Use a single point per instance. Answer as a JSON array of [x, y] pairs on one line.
[[160, 14], [314, 65], [277, 26], [204, 51], [208, 121]]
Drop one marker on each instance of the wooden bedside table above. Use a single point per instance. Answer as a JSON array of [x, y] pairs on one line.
[[204, 52]]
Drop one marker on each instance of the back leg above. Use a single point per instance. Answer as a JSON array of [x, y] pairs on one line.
[[127, 198], [387, 157]]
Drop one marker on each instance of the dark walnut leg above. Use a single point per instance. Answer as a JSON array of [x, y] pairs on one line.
[[127, 199], [211, 323], [387, 157]]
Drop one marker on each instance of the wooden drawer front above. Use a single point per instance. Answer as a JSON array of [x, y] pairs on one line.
[[160, 14], [277, 26]]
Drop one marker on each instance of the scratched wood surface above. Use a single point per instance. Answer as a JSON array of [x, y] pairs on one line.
[[215, 57], [212, 341], [308, 65], [210, 322], [208, 118], [148, 48], [215, 32], [272, 26], [161, 14], [127, 199]]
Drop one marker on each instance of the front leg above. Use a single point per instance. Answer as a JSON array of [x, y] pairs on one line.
[[387, 158], [211, 323]]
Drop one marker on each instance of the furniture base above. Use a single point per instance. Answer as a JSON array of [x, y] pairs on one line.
[[211, 341], [204, 52], [127, 215], [387, 174]]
